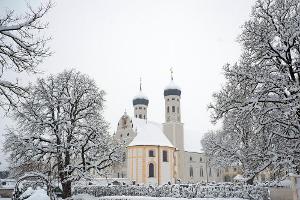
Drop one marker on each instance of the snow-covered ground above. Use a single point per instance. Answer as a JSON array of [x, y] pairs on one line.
[[89, 197]]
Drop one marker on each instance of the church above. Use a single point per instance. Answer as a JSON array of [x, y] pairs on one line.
[[159, 153]]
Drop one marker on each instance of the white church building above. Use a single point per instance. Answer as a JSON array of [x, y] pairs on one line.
[[160, 153]]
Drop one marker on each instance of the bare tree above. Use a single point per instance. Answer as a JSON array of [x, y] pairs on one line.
[[61, 125], [22, 49]]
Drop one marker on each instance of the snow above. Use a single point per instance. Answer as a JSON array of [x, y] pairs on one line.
[[149, 133], [90, 197], [27, 193], [39, 194], [140, 95], [239, 177], [172, 86]]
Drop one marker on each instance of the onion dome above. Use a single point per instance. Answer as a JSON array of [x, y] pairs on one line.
[[140, 98], [172, 88]]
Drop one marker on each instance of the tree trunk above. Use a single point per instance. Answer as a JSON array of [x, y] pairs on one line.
[[250, 181], [66, 187]]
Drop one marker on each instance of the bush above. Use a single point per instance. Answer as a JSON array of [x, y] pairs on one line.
[[224, 190]]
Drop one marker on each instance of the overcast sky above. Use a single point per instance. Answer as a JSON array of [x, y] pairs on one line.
[[118, 41]]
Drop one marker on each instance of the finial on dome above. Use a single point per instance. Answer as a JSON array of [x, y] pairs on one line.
[[140, 83], [125, 112], [171, 70]]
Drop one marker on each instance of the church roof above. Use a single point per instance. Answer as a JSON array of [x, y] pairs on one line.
[[148, 133], [172, 89], [172, 85], [140, 98], [140, 95]]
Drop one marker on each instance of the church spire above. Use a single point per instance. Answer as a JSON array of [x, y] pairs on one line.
[[140, 83], [171, 71], [140, 103]]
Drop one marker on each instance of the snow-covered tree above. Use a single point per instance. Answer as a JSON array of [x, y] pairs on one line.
[[264, 87], [61, 125], [240, 144], [22, 48]]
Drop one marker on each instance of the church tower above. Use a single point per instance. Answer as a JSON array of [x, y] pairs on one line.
[[140, 104], [173, 128]]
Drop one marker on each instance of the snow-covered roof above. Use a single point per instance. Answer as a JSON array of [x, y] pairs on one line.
[[172, 86], [192, 141], [140, 95], [149, 133]]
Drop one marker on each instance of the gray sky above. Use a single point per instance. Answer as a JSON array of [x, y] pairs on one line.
[[117, 41]]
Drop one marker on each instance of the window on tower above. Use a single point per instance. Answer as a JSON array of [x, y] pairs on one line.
[[173, 108], [168, 109], [140, 116]]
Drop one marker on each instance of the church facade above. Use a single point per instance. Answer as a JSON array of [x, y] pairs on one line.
[[157, 153]]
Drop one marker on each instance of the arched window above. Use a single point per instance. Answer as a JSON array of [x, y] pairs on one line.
[[191, 172], [201, 171], [168, 109], [210, 172], [140, 116], [165, 156], [151, 170], [200, 159]]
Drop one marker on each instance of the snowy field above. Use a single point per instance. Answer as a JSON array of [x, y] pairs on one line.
[[89, 197]]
